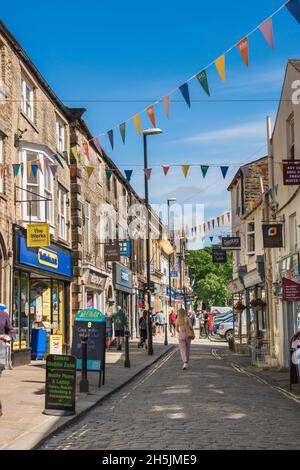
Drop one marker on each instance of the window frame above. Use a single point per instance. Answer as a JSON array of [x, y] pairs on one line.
[[60, 139], [87, 226], [26, 84], [62, 215], [291, 137], [252, 234]]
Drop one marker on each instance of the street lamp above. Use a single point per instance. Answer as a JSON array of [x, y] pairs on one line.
[[170, 291], [146, 133]]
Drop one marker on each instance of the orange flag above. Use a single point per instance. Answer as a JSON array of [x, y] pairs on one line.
[[29, 168], [166, 169], [40, 166], [150, 111], [86, 149], [243, 46], [137, 123], [166, 101], [221, 66], [185, 169]]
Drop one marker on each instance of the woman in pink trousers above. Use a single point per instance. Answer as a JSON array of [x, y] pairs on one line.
[[185, 336]]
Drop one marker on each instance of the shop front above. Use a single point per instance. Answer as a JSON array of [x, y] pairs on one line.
[[122, 281], [41, 294], [94, 289]]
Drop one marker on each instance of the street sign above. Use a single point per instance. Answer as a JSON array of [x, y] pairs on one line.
[[125, 248], [231, 243], [174, 274], [291, 172], [290, 290], [38, 235], [273, 235], [91, 323], [60, 385], [112, 252], [219, 256]]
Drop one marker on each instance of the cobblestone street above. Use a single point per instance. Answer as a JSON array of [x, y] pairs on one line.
[[210, 406]]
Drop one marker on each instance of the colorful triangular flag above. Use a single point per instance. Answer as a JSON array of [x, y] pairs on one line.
[[294, 8], [7, 169], [128, 174], [46, 163], [122, 128], [56, 157], [111, 137], [40, 166], [66, 157], [185, 169], [220, 63], [89, 170], [267, 30], [166, 169], [97, 145], [245, 170], [204, 170], [137, 123], [243, 47], [148, 172], [53, 169], [224, 170], [86, 149], [16, 168], [108, 173], [73, 169], [75, 154], [166, 102], [211, 239], [202, 77], [29, 168], [184, 89], [150, 112]]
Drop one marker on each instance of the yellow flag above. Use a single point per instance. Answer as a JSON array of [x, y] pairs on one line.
[[221, 67], [89, 170], [137, 123], [75, 154], [185, 169], [29, 168]]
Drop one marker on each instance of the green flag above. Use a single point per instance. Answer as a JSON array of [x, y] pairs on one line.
[[202, 77], [108, 173], [204, 169], [122, 128], [66, 157], [16, 168]]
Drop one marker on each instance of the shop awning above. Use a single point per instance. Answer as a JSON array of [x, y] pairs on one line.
[[166, 246]]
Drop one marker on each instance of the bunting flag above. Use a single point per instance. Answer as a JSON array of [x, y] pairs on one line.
[[229, 216], [8, 170], [22, 170], [266, 29], [238, 211], [86, 149], [150, 112], [34, 168], [16, 168], [263, 169], [213, 224], [220, 63], [40, 167], [122, 128], [218, 221], [66, 157], [128, 174], [276, 189], [97, 145], [89, 170], [166, 169], [108, 173], [245, 170], [224, 170], [73, 169], [56, 157], [166, 102], [204, 169], [208, 224], [211, 239], [204, 228], [251, 205], [243, 47], [75, 154], [1, 170], [185, 169], [222, 219], [29, 164], [53, 169], [202, 78], [111, 138], [46, 163], [294, 8], [270, 193], [148, 172], [137, 123], [185, 93]]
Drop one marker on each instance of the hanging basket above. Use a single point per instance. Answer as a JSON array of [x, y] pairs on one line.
[[257, 305], [239, 307]]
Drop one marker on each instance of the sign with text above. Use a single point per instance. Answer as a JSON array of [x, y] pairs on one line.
[[56, 344], [38, 235], [60, 385], [231, 243], [112, 252], [290, 290], [273, 235], [291, 172], [219, 256]]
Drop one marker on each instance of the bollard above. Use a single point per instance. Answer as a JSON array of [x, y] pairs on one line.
[[166, 334], [127, 360], [84, 383]]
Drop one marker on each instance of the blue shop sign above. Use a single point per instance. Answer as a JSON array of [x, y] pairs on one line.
[[122, 278], [53, 259], [124, 248]]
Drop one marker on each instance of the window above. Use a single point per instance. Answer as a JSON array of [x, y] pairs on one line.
[[115, 188], [27, 98], [1, 165], [108, 178], [62, 213], [250, 238], [60, 133], [291, 137], [238, 196], [87, 226], [39, 189], [293, 230]]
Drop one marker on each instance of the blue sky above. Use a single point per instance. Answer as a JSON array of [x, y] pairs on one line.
[[137, 52]]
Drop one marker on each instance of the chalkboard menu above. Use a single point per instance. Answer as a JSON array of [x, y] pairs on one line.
[[92, 324], [60, 385]]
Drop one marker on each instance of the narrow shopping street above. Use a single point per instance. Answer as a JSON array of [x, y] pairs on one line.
[[210, 406]]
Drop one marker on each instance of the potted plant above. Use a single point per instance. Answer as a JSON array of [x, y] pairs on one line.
[[239, 307], [257, 305]]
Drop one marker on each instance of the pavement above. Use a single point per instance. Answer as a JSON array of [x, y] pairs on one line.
[[213, 405], [23, 424]]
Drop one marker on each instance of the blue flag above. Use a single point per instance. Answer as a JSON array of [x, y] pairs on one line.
[[185, 93], [294, 8], [111, 138], [128, 174], [34, 168], [224, 170]]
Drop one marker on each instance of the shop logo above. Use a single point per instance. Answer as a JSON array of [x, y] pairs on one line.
[[48, 258], [273, 232], [124, 276]]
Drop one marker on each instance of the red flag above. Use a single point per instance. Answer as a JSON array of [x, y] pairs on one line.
[[243, 46], [150, 111], [166, 169], [166, 101], [86, 149], [267, 30], [73, 170]]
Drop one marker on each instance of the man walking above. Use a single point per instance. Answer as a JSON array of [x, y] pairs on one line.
[[120, 323], [6, 335]]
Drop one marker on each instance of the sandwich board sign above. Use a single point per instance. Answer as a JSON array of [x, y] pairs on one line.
[[60, 385]]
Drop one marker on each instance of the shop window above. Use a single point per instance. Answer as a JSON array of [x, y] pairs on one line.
[[62, 213], [21, 320], [27, 102], [291, 137], [250, 238], [1, 165]]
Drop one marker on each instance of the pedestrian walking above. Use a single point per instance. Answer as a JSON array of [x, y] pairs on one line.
[[143, 325], [186, 335], [6, 335], [193, 319], [109, 329], [120, 323], [172, 323], [159, 322], [206, 322]]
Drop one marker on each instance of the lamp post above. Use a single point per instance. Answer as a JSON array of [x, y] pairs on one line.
[[146, 133], [170, 292]]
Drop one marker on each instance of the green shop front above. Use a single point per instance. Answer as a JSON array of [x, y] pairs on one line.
[[41, 294]]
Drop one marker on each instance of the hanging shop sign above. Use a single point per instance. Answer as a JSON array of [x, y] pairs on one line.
[[291, 172], [174, 274], [273, 235], [112, 252], [252, 278], [231, 243], [38, 235], [54, 259], [290, 290], [60, 385], [125, 248], [94, 280], [92, 324], [122, 278], [219, 256]]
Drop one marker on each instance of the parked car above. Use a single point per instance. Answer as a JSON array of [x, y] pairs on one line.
[[222, 318], [225, 330]]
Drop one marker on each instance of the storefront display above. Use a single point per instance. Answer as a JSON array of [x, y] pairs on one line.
[[94, 288], [122, 278]]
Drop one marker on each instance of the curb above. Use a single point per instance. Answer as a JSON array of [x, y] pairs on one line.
[[80, 415]]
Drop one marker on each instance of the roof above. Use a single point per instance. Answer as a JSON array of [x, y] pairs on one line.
[[295, 63], [239, 172]]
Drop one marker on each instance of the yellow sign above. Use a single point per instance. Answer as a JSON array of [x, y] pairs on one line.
[[56, 342], [38, 235]]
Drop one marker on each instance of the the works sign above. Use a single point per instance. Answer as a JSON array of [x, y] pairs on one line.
[[231, 243], [273, 235]]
